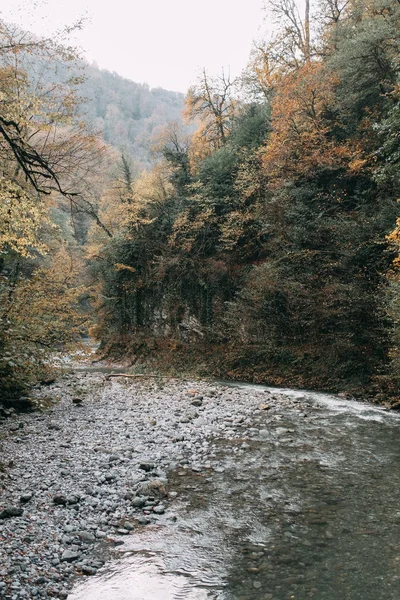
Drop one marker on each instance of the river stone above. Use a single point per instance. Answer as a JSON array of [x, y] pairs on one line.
[[138, 501], [197, 402], [88, 570], [54, 426], [113, 458], [329, 535], [11, 511], [59, 499], [86, 536], [145, 466], [24, 498], [281, 431], [72, 499], [101, 534], [70, 555], [156, 488], [159, 510]]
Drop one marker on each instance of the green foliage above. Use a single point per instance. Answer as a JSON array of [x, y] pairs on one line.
[[250, 128], [387, 171], [367, 61], [217, 174]]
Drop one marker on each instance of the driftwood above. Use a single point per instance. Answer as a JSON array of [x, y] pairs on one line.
[[137, 375]]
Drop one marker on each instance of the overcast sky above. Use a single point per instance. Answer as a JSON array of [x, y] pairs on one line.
[[161, 42]]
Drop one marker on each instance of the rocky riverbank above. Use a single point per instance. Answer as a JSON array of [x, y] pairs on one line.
[[91, 467]]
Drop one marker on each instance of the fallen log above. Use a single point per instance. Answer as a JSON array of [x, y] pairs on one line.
[[107, 377]]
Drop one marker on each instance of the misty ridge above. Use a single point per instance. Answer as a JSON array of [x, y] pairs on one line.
[[127, 115]]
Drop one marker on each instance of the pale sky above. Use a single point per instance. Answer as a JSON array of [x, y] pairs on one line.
[[161, 42]]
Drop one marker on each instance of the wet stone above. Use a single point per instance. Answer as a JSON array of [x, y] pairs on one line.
[[70, 555], [88, 570], [11, 511], [60, 500], [24, 498]]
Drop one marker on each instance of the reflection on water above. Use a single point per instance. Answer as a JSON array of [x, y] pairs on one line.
[[142, 577], [307, 510]]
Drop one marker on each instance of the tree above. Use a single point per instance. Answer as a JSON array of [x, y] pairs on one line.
[[46, 155], [39, 311], [44, 148], [210, 102], [283, 51], [173, 145], [294, 32]]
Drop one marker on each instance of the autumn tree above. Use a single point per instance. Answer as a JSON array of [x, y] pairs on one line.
[[44, 148], [318, 297], [293, 37], [46, 155], [211, 104]]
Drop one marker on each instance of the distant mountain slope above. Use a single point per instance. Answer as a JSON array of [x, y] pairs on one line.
[[128, 114]]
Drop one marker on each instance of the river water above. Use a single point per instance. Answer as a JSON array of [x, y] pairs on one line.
[[306, 510]]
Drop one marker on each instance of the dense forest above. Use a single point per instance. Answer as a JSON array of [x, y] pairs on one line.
[[261, 243]]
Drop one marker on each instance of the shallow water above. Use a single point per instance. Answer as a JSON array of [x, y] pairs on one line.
[[307, 508]]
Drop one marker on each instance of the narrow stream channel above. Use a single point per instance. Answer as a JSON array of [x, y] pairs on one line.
[[308, 509]]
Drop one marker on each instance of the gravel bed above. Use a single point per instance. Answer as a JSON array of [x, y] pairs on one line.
[[91, 466]]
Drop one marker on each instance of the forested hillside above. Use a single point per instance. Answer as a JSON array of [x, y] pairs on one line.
[[128, 115], [259, 247]]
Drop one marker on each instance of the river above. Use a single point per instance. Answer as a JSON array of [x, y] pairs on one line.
[[303, 505]]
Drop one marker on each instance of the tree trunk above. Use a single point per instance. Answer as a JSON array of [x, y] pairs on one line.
[[307, 31]]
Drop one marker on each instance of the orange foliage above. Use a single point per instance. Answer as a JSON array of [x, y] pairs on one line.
[[301, 140]]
